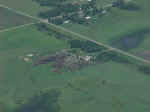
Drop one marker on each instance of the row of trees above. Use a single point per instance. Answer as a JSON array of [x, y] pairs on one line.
[[125, 4], [52, 3], [144, 69], [112, 56], [86, 46], [68, 11], [44, 27]]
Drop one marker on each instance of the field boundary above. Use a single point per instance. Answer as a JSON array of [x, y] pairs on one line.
[[79, 35], [17, 27]]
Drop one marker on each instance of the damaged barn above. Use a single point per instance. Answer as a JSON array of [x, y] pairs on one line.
[[64, 59]]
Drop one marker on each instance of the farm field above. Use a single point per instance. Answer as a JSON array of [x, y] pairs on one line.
[[18, 74], [109, 86], [124, 29], [10, 19], [26, 6], [33, 8]]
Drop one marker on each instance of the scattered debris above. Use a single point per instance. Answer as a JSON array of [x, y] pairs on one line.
[[65, 22], [104, 12], [45, 20], [86, 58], [26, 59], [30, 55], [64, 59], [87, 17]]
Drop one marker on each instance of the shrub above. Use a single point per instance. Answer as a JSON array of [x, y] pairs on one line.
[[86, 46], [144, 69]]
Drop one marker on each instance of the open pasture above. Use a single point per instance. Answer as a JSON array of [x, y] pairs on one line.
[[108, 86], [124, 29], [26, 6], [9, 19]]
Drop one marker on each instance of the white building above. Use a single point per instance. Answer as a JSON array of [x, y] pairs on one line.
[[88, 58], [87, 17], [65, 22]]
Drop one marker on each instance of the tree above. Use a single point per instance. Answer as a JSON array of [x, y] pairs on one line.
[[50, 13], [44, 102], [53, 3], [121, 2], [145, 69], [86, 46]]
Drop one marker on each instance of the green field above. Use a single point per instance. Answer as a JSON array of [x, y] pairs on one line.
[[26, 6], [107, 87], [120, 28], [115, 28], [33, 8], [16, 75], [10, 19]]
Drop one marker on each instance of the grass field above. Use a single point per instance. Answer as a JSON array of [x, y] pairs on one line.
[[110, 86], [33, 8], [117, 28], [10, 19], [26, 6], [16, 75], [106, 87], [120, 28]]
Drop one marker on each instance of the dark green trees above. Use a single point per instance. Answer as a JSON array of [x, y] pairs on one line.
[[44, 102]]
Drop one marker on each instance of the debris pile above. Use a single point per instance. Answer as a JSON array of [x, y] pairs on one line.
[[64, 59]]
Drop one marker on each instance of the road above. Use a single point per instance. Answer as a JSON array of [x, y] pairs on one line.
[[62, 29]]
